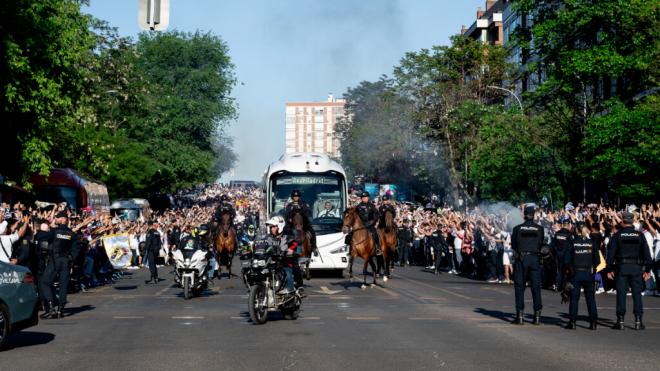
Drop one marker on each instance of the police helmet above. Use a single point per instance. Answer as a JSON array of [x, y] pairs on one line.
[[277, 221], [386, 197], [295, 193], [202, 230], [364, 194], [251, 227]]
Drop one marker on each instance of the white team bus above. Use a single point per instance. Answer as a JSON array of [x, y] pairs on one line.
[[322, 184]]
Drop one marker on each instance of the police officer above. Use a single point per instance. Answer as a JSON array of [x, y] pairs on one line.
[[526, 241], [560, 243], [43, 240], [297, 205], [439, 244], [151, 249], [58, 266], [405, 236], [387, 205], [225, 207], [629, 257], [581, 260], [369, 216]]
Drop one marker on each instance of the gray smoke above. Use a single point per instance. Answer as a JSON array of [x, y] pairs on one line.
[[504, 211]]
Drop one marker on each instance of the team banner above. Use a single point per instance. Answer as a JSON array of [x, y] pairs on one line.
[[118, 248]]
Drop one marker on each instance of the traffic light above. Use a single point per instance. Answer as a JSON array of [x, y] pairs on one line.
[[153, 15]]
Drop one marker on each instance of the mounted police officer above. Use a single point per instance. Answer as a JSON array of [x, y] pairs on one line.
[[225, 207], [581, 260], [152, 249], [630, 262], [58, 266], [386, 206], [526, 241], [297, 205], [560, 243], [369, 216]]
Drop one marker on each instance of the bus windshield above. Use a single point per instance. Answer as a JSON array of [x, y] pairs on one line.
[[324, 193]]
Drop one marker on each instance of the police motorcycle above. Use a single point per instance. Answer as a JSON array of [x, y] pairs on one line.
[[266, 280], [191, 261]]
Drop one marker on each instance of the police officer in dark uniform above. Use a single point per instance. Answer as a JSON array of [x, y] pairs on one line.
[[225, 207], [58, 266], [581, 260], [43, 239], [560, 244], [629, 257], [439, 244], [387, 205], [369, 216], [405, 236], [151, 249], [526, 241], [297, 205]]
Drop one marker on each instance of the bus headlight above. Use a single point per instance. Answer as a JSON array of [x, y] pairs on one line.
[[340, 250]]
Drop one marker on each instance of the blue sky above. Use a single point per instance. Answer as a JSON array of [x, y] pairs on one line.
[[300, 50]]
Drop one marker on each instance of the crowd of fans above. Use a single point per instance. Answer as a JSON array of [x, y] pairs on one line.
[[91, 266], [476, 242]]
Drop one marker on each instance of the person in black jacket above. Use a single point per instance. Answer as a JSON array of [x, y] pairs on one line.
[[560, 243], [151, 249], [630, 262], [580, 261], [58, 266], [405, 236], [526, 241], [439, 244]]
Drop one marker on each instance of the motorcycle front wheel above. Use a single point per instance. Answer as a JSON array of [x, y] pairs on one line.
[[257, 305], [187, 290]]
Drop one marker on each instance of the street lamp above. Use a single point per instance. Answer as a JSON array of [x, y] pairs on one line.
[[510, 92]]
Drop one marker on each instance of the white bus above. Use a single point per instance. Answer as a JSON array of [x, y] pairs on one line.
[[322, 184]]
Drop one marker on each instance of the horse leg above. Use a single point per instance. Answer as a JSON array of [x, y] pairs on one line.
[[308, 274], [350, 269], [364, 273], [386, 260], [373, 268]]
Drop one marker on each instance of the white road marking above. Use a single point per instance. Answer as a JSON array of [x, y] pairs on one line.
[[363, 318], [187, 317]]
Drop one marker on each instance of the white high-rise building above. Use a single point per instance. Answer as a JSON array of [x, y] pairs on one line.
[[310, 126]]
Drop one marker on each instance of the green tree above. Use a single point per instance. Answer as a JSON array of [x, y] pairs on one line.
[[586, 53], [623, 148], [42, 77], [439, 82]]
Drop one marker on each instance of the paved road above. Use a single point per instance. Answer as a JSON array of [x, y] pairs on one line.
[[417, 321]]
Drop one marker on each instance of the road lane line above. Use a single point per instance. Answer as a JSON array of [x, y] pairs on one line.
[[312, 318], [187, 317]]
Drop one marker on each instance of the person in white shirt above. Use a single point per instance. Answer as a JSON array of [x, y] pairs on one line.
[[11, 236], [329, 211]]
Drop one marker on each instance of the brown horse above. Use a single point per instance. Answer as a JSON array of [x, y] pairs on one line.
[[362, 243], [297, 222], [388, 241], [225, 244]]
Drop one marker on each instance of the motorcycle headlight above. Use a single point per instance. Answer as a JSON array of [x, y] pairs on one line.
[[259, 263], [340, 250]]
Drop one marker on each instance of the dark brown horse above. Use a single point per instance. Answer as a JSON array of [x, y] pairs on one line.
[[388, 241], [298, 223], [362, 244], [225, 244]]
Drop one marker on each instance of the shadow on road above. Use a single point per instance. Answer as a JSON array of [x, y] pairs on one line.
[[125, 288], [71, 311], [26, 339]]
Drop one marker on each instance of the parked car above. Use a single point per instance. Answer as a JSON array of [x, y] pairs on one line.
[[18, 300]]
